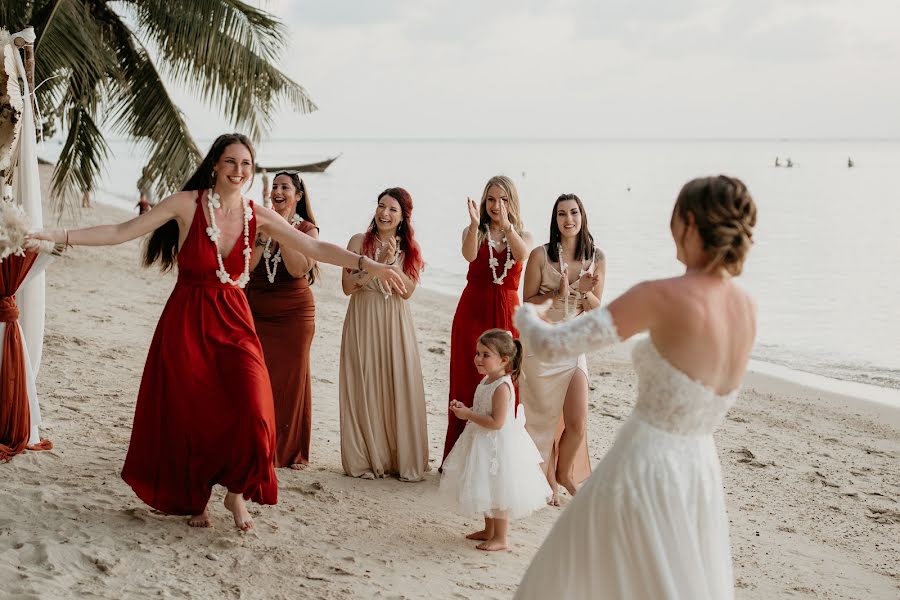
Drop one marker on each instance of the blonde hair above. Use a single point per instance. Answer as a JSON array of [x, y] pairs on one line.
[[506, 346], [512, 195]]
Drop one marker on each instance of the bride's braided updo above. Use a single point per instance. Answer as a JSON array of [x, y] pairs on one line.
[[725, 214]]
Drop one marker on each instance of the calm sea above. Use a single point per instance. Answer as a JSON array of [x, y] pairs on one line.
[[825, 269]]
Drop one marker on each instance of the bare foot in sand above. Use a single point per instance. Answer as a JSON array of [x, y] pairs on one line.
[[554, 499], [492, 545], [298, 466], [201, 520], [568, 484], [484, 534], [367, 475], [235, 503]]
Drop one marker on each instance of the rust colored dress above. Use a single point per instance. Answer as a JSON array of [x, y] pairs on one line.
[[285, 316], [483, 305], [204, 410]]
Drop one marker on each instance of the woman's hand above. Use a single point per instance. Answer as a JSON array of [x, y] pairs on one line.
[[474, 217], [384, 273], [57, 236], [563, 289], [587, 282], [505, 224], [389, 251]]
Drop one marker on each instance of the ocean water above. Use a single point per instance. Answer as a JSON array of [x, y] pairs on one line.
[[825, 269]]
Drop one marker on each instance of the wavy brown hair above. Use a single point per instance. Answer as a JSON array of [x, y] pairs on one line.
[[162, 245], [724, 214]]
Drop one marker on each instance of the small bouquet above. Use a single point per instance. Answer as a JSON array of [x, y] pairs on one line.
[[14, 227]]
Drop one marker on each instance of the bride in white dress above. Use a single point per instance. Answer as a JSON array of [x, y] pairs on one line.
[[650, 522]]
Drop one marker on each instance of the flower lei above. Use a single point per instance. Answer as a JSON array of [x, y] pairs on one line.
[[213, 231], [494, 263], [272, 269], [579, 295]]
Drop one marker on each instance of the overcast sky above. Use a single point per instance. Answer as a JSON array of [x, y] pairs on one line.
[[590, 68]]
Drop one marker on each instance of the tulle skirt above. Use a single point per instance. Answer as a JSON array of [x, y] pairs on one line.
[[495, 473]]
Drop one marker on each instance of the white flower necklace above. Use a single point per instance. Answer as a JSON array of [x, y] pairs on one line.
[[579, 295], [272, 269], [494, 263], [212, 203]]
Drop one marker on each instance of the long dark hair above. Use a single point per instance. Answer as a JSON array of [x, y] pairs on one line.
[[303, 208], [584, 250], [162, 245], [412, 253]]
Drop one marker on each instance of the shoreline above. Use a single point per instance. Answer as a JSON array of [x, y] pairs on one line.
[[851, 389], [809, 484]]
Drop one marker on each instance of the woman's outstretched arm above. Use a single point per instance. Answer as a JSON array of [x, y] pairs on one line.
[[175, 206], [281, 231], [632, 312]]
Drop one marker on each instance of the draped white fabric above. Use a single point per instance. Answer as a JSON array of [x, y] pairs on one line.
[[30, 297], [27, 185]]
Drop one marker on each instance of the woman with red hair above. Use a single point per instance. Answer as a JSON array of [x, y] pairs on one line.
[[382, 394]]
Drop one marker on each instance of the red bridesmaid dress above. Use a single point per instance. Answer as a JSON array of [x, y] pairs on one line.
[[483, 305], [204, 411]]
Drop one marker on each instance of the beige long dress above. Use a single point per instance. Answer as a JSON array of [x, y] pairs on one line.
[[545, 383], [382, 393]]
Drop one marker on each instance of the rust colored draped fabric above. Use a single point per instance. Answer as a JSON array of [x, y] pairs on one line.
[[15, 415]]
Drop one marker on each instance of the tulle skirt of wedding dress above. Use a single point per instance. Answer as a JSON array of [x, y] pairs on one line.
[[650, 523]]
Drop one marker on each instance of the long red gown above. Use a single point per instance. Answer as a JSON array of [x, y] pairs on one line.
[[204, 411], [483, 305]]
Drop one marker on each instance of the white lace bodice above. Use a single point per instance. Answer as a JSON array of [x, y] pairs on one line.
[[483, 401], [667, 398]]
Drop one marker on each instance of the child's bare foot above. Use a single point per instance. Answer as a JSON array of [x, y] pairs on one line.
[[554, 499], [201, 520], [235, 503], [567, 483], [492, 545], [484, 534], [298, 466]]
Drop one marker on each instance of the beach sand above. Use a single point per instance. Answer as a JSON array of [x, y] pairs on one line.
[[812, 480]]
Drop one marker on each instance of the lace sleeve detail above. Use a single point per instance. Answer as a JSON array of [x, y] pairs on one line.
[[595, 329]]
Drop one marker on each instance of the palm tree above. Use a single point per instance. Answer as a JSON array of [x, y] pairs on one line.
[[104, 62]]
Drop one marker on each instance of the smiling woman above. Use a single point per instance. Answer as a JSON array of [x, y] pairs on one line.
[[496, 246], [284, 313], [204, 412], [382, 393]]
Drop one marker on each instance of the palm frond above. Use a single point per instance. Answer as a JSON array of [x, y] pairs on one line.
[[224, 49], [141, 107], [80, 161]]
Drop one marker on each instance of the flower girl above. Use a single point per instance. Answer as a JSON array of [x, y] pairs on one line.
[[494, 469]]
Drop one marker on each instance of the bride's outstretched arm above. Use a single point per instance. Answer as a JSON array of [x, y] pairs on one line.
[[630, 313], [590, 331]]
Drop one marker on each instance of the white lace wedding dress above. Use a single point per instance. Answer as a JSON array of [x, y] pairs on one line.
[[650, 522]]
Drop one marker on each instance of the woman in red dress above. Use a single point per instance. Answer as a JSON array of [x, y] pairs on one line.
[[284, 313], [496, 246], [204, 413]]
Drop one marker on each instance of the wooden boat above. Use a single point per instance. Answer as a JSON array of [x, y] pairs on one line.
[[316, 167]]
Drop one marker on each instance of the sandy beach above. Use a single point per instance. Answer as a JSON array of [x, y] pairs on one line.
[[812, 479]]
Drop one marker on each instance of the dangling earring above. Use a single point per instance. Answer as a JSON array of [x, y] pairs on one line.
[[212, 179]]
